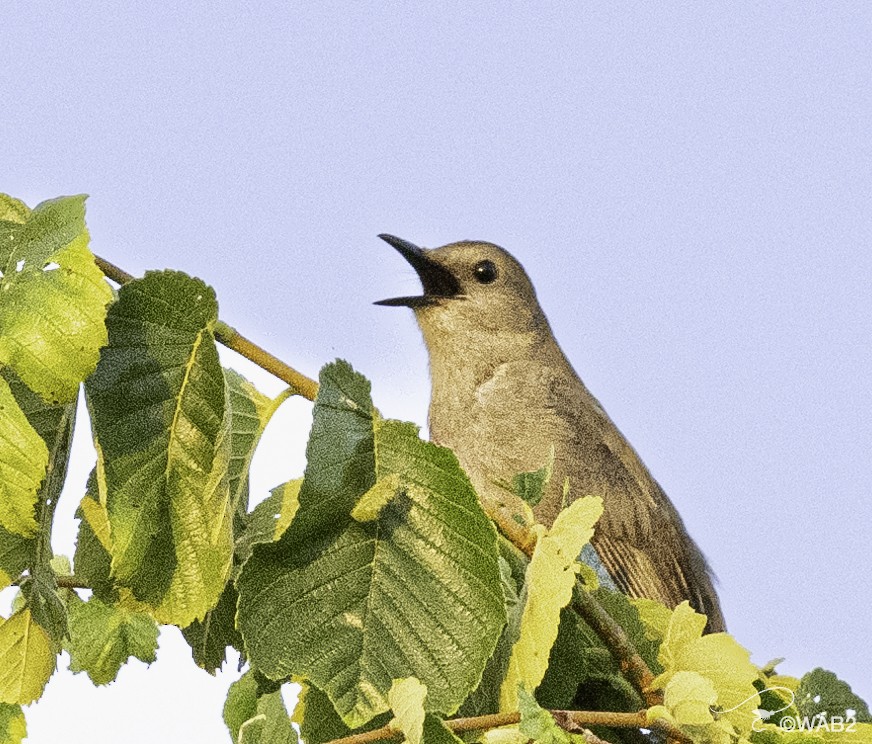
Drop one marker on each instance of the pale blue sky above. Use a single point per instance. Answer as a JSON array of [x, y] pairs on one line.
[[689, 187]]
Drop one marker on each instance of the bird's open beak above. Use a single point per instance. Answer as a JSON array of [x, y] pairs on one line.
[[437, 281]]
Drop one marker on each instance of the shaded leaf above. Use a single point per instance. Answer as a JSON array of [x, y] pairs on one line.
[[821, 691], [353, 606], [161, 425]]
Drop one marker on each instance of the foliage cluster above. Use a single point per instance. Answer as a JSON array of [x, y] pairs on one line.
[[377, 581]]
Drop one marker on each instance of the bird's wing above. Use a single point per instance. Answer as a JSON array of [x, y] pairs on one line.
[[641, 538]]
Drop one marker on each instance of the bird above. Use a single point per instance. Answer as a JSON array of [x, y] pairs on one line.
[[506, 400]]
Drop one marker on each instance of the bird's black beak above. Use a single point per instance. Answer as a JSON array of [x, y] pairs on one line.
[[438, 282]]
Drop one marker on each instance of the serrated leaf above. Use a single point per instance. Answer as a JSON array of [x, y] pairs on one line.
[[537, 724], [821, 691], [689, 698], [54, 298], [161, 423], [27, 659], [241, 704], [104, 636], [717, 657], [13, 727], [23, 462], [12, 210], [254, 717], [406, 700], [353, 606], [251, 411], [550, 580], [530, 486], [210, 637], [92, 560], [268, 521], [16, 552]]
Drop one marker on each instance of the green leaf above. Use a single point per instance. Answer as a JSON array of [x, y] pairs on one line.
[[530, 486], [54, 298], [27, 659], [16, 553], [536, 723], [104, 636], [251, 411], [13, 727], [255, 717], [486, 697], [162, 428], [210, 637], [91, 560], [406, 700], [23, 462], [241, 704], [821, 691], [319, 722], [353, 606], [13, 210], [550, 580], [435, 732], [270, 518]]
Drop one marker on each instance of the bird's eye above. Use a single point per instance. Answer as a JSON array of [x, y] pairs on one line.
[[485, 272]]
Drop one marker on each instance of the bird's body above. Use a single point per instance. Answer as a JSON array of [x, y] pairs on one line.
[[506, 400]]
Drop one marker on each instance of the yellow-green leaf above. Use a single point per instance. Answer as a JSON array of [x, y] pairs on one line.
[[23, 462], [27, 659], [718, 657], [53, 298], [376, 498], [13, 727], [549, 581], [406, 699]]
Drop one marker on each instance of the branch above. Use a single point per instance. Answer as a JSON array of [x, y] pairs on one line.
[[573, 721], [232, 339]]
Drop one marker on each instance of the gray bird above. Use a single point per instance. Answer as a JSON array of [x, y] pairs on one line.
[[506, 400]]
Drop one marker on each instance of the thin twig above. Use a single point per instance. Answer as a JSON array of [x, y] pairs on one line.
[[575, 721], [233, 339]]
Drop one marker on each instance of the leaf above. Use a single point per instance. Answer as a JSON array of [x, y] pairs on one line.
[[251, 411], [406, 699], [689, 698], [821, 691], [717, 657], [210, 637], [162, 428], [92, 560], [536, 723], [13, 210], [23, 462], [352, 606], [27, 659], [255, 717], [104, 636], [530, 486], [16, 552], [54, 298], [13, 727], [241, 704], [550, 580], [270, 518]]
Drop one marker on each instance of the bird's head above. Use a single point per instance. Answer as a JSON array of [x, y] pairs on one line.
[[471, 288]]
